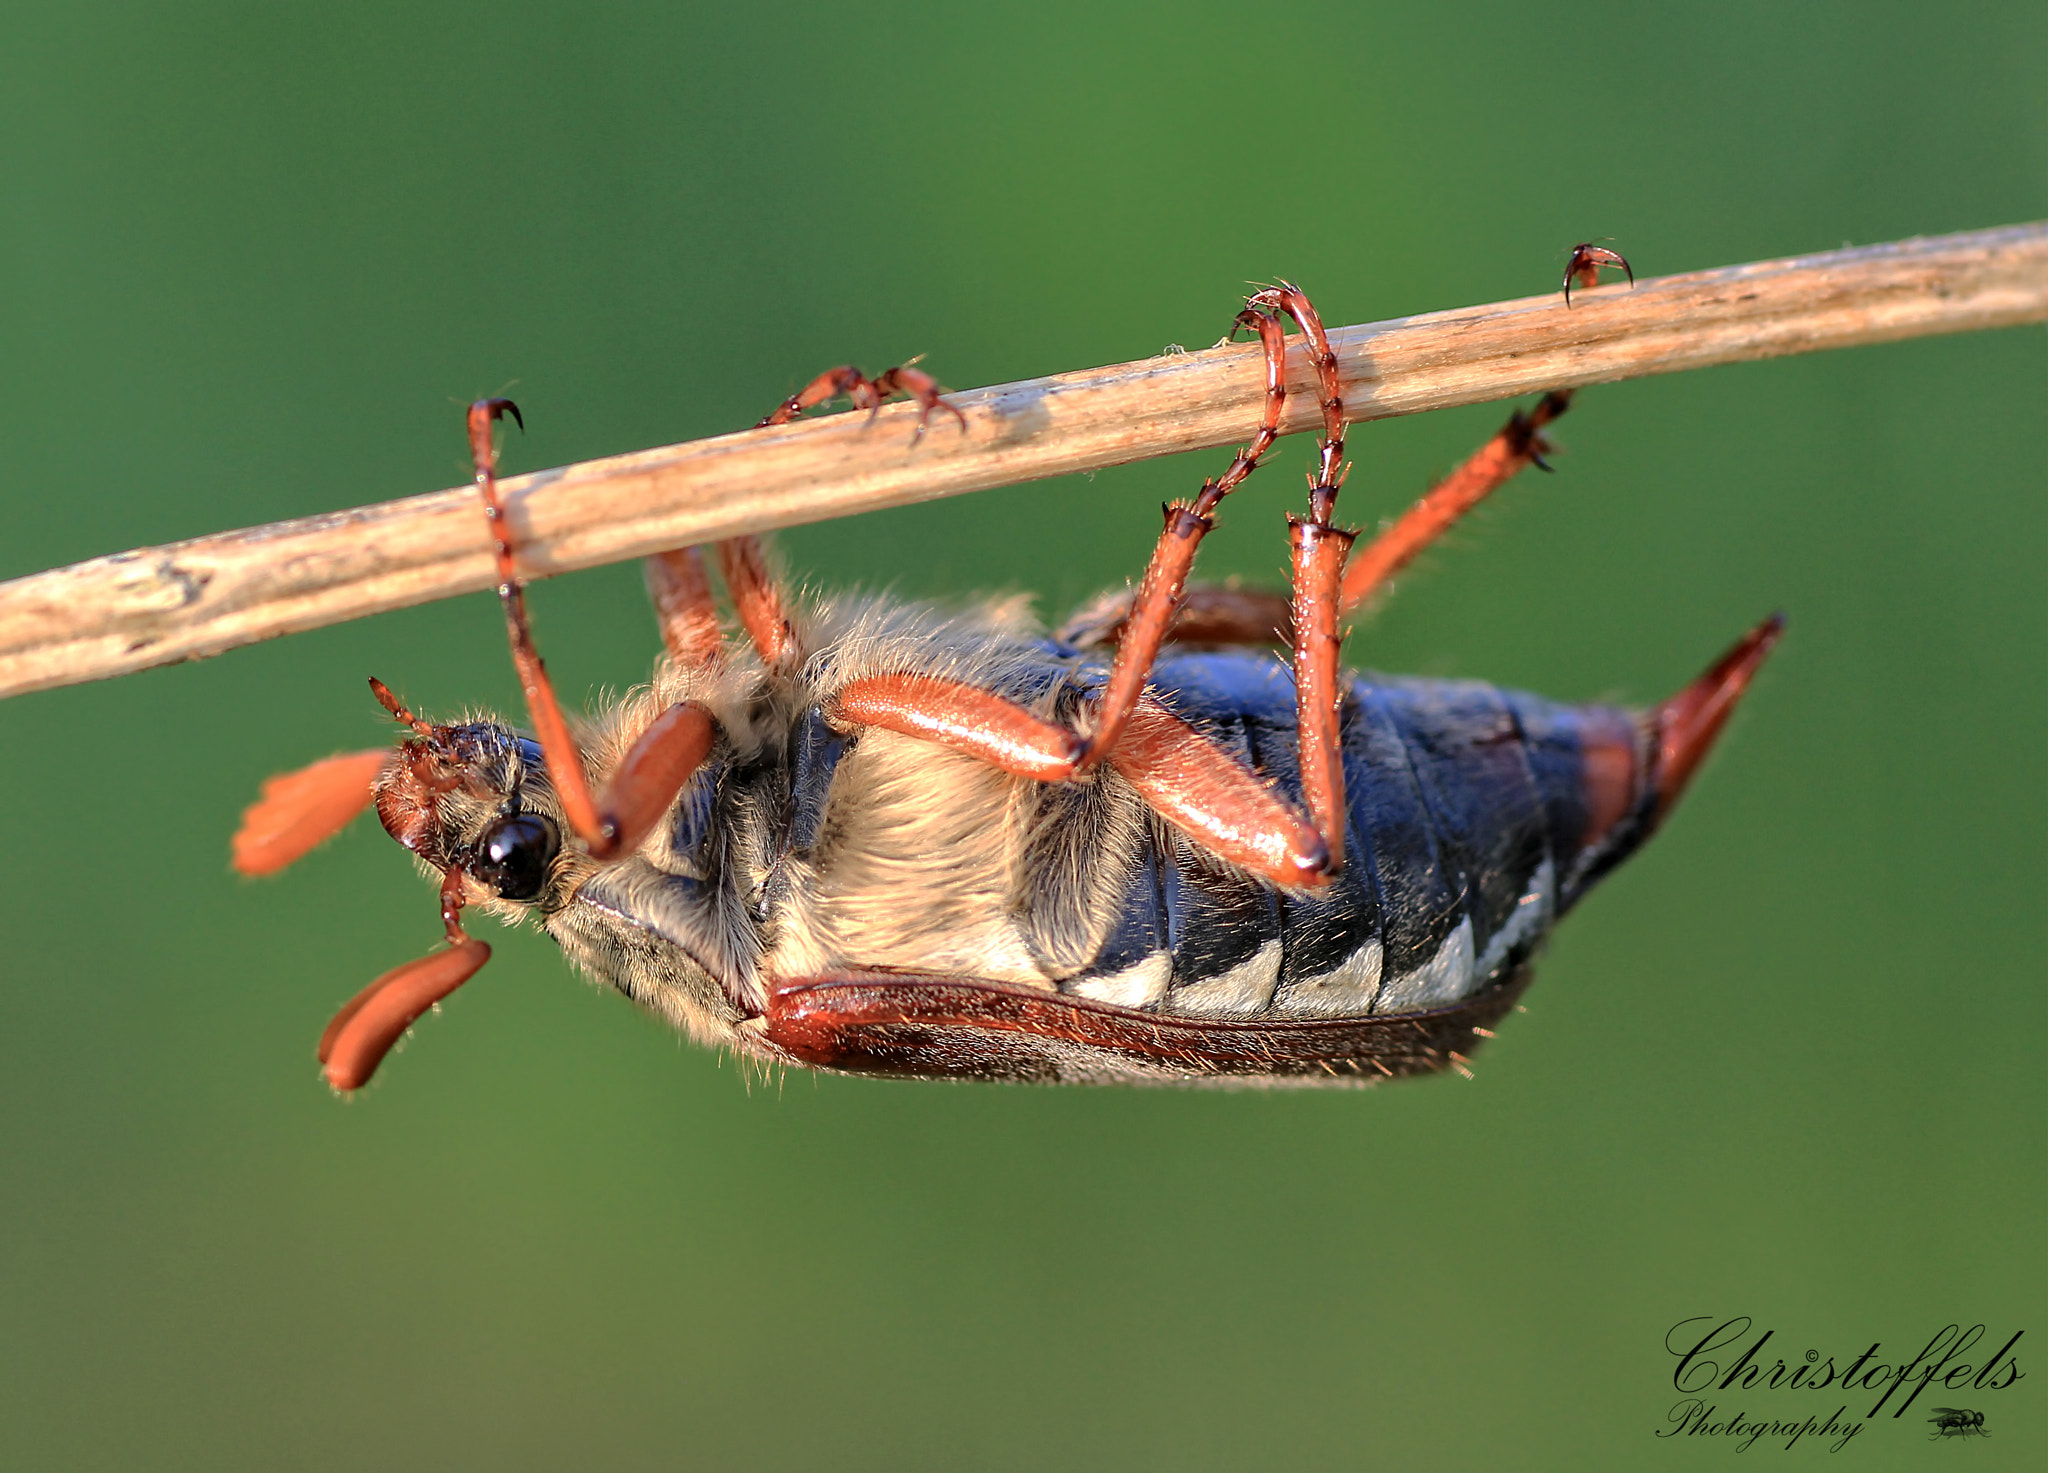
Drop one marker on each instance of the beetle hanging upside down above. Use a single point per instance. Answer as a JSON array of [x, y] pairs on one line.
[[879, 838]]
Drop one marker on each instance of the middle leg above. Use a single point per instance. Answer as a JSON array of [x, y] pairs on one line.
[[1190, 781], [1203, 790]]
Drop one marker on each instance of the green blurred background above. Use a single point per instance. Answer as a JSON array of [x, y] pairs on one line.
[[1786, 1064]]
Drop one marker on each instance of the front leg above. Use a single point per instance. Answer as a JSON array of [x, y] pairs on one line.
[[867, 393], [658, 763], [743, 562]]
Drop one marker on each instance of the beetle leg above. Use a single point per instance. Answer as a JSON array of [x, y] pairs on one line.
[[866, 393], [659, 762], [1166, 575], [1519, 443], [1209, 613], [826, 387], [964, 717], [1319, 550], [1583, 269], [757, 599], [908, 379], [1213, 615], [755, 595], [681, 591], [1206, 793], [1195, 785]]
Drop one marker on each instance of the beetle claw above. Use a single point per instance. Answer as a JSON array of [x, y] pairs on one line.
[[1586, 263]]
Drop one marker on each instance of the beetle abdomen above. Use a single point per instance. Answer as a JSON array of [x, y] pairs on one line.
[[1469, 820]]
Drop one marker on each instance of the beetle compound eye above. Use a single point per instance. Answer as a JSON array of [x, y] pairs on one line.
[[514, 854]]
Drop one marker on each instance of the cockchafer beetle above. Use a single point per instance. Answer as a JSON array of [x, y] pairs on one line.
[[884, 838]]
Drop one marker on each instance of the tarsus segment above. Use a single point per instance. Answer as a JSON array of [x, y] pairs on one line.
[[1166, 575], [867, 393]]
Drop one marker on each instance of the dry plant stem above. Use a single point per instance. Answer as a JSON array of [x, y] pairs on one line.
[[155, 606]]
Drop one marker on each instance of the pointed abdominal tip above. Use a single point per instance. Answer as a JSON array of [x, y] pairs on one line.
[[1686, 726]]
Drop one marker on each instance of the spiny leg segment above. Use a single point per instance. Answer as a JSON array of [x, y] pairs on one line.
[[1518, 443], [1209, 614], [756, 597], [1166, 574], [1319, 549], [660, 760], [681, 591]]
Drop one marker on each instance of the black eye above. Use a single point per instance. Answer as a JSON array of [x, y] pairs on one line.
[[514, 854]]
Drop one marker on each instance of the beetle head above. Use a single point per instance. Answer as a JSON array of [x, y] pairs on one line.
[[474, 796]]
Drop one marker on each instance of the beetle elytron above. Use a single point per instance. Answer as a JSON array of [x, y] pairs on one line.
[[882, 838]]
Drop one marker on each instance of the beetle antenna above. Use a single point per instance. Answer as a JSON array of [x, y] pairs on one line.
[[397, 708], [364, 1031]]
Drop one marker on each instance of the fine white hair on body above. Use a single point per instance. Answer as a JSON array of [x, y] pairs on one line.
[[927, 861]]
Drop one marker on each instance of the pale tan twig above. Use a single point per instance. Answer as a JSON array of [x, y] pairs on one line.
[[134, 610]]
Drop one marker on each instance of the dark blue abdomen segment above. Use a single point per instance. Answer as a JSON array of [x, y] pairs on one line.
[[1421, 888], [1465, 803], [1245, 702], [1554, 742], [1465, 750]]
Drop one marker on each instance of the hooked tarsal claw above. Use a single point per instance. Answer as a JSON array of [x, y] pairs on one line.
[[1587, 259], [498, 409]]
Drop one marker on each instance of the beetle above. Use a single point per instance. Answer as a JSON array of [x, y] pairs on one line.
[[877, 837]]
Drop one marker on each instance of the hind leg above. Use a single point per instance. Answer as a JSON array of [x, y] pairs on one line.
[[1519, 443], [1213, 615]]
